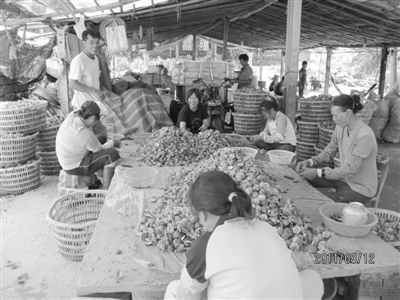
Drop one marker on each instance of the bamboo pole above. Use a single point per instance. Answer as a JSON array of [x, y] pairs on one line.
[[63, 80], [226, 32], [194, 48], [282, 63], [177, 52], [382, 72], [292, 57], [393, 68], [213, 51], [327, 70]]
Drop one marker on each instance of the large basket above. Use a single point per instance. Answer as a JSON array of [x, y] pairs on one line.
[[329, 164], [314, 110], [24, 119], [47, 138], [387, 214], [20, 179], [250, 152], [141, 178], [308, 131], [49, 164], [248, 124], [325, 136], [304, 150], [16, 151], [248, 103], [73, 218]]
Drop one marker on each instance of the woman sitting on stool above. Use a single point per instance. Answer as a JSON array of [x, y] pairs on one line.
[[279, 132], [79, 151]]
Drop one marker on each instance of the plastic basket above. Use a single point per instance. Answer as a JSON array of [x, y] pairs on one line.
[[26, 119], [314, 110], [141, 178], [246, 151], [73, 218], [20, 179], [16, 151], [49, 164], [248, 103], [248, 124], [47, 138], [140, 138], [387, 214], [280, 157], [304, 150]]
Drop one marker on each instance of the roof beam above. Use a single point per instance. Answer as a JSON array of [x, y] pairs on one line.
[[251, 10]]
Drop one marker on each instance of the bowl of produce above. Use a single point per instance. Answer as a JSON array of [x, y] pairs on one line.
[[332, 216], [280, 157], [116, 136], [141, 177]]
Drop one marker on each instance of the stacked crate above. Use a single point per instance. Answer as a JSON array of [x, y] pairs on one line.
[[20, 122], [314, 110]]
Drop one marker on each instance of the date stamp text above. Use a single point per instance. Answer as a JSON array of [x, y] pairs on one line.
[[346, 258]]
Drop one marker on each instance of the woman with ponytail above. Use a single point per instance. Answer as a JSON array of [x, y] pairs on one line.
[[239, 257], [356, 179]]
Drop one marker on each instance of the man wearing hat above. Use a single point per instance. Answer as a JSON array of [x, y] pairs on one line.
[[80, 151]]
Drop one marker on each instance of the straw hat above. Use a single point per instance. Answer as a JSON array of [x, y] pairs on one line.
[[49, 93]]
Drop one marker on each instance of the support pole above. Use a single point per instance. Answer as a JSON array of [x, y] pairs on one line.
[[63, 80], [213, 51], [382, 71], [393, 67], [194, 47], [177, 52], [226, 31], [282, 63], [292, 57], [327, 70], [261, 60]]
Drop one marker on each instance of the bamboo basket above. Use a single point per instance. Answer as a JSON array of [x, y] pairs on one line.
[[314, 110], [247, 124], [329, 164], [73, 218], [16, 151], [49, 164], [387, 214], [27, 119], [304, 150], [47, 138], [248, 103], [325, 136], [308, 132], [20, 179]]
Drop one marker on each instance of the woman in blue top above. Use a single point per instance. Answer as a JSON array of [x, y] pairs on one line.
[[193, 116]]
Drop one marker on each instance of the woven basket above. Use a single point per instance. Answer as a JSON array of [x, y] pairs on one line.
[[20, 179], [329, 164], [248, 124], [308, 131], [325, 136], [141, 178], [28, 119], [49, 164], [304, 150], [47, 138], [17, 150], [248, 103], [246, 151], [73, 218], [387, 214], [314, 110]]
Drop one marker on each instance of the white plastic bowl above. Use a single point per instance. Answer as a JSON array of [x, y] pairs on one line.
[[141, 177], [280, 157]]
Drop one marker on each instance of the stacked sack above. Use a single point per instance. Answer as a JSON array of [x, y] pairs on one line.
[[46, 146], [20, 122], [246, 119], [314, 110]]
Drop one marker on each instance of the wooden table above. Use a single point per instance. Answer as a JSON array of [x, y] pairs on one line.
[[110, 264]]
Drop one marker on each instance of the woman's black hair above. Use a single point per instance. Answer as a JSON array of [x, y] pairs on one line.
[[93, 33], [245, 57], [210, 192], [348, 102], [194, 91], [268, 105], [88, 109]]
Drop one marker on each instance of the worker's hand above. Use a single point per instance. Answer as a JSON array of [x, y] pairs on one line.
[[98, 94], [117, 143], [302, 165], [309, 173], [203, 128]]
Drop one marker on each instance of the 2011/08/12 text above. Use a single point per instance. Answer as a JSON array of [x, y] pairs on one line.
[[347, 258]]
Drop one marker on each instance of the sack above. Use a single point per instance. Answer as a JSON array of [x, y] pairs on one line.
[[391, 133], [366, 113], [116, 38], [382, 109], [54, 65], [377, 125]]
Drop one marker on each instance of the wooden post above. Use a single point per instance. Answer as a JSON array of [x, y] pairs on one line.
[[393, 67], [292, 57], [213, 51], [261, 63], [177, 52], [282, 63], [146, 60], [226, 31], [63, 80], [327, 70], [194, 47], [382, 72]]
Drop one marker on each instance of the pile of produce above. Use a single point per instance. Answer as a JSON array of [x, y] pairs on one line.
[[387, 229], [329, 125], [55, 120], [173, 146], [8, 136], [171, 226], [19, 104], [319, 98], [247, 90]]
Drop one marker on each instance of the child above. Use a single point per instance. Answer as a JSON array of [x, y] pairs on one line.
[[239, 257]]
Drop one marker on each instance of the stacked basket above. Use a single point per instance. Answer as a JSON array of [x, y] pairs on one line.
[[314, 110], [46, 147], [326, 130], [246, 117], [19, 165]]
